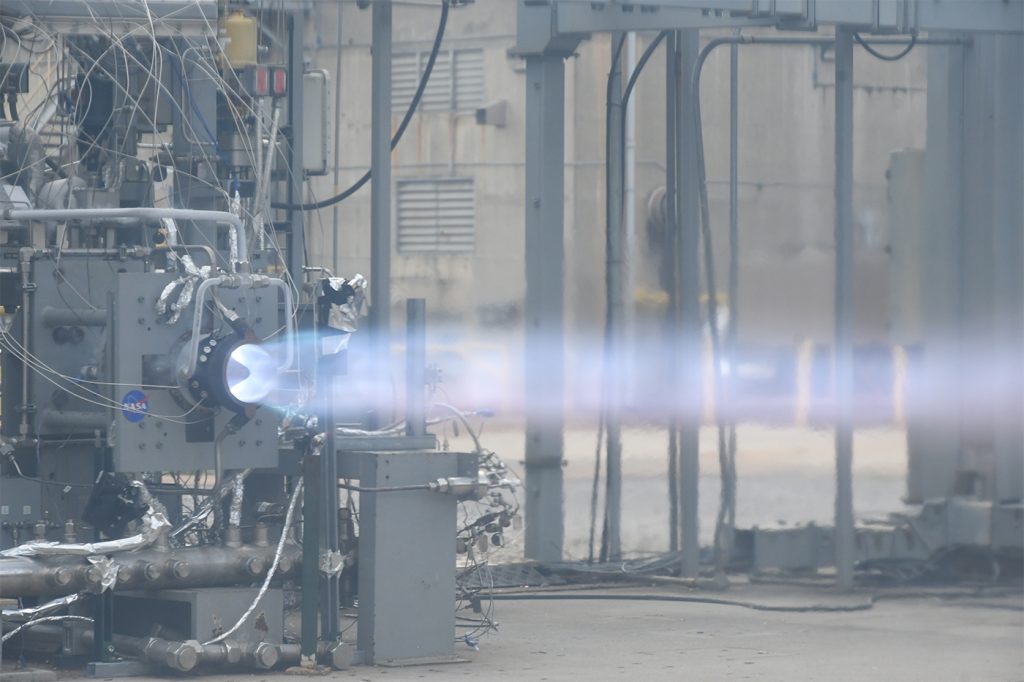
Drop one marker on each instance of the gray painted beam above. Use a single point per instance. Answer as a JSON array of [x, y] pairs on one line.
[[1008, 216], [934, 461], [614, 273], [671, 167], [380, 203], [843, 345], [296, 219], [545, 305], [689, 346]]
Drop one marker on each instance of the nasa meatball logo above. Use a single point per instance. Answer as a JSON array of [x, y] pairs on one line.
[[134, 406]]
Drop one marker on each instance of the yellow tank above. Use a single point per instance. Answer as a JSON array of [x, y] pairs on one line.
[[240, 31]]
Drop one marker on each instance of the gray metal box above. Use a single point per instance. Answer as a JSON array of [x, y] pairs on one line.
[[21, 504], [406, 557], [201, 614], [802, 548]]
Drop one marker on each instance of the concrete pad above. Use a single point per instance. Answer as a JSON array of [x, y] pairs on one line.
[[10, 673], [922, 636]]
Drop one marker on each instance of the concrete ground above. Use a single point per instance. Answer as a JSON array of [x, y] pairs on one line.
[[924, 639]]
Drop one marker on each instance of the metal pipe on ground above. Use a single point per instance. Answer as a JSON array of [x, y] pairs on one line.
[[147, 569], [176, 655]]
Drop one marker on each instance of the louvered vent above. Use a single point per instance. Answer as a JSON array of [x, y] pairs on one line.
[[450, 89], [435, 215]]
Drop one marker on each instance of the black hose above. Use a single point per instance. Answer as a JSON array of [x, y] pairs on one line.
[[345, 194], [728, 484], [610, 100], [578, 596], [630, 85], [644, 58], [887, 57], [12, 106]]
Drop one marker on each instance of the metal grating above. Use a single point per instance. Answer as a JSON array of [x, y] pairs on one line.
[[435, 215], [450, 88]]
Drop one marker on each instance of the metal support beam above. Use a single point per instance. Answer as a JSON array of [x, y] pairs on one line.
[[843, 345], [328, 370], [689, 348], [671, 125], [380, 203], [1008, 251], [296, 219], [310, 557], [615, 322], [415, 367], [934, 424], [545, 304]]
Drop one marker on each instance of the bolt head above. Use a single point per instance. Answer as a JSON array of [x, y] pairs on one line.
[[179, 569], [184, 657], [232, 651], [62, 576], [152, 572], [266, 655], [255, 565]]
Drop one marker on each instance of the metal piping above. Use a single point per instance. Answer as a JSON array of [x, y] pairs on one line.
[[27, 287], [23, 576], [142, 213], [235, 281], [178, 656]]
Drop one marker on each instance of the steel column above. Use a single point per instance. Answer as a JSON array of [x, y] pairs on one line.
[[545, 304], [934, 424], [671, 124], [843, 345], [328, 370], [380, 204], [415, 367], [310, 557], [614, 324], [689, 347], [729, 403], [296, 219], [1008, 238]]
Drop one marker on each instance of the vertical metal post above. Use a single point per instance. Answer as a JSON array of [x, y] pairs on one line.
[[103, 617], [335, 227], [629, 378], [1008, 238], [671, 125], [734, 231], [934, 453], [415, 366], [689, 347], [310, 557], [296, 219], [734, 287], [843, 361], [380, 203], [328, 368], [545, 296], [614, 290], [103, 614]]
